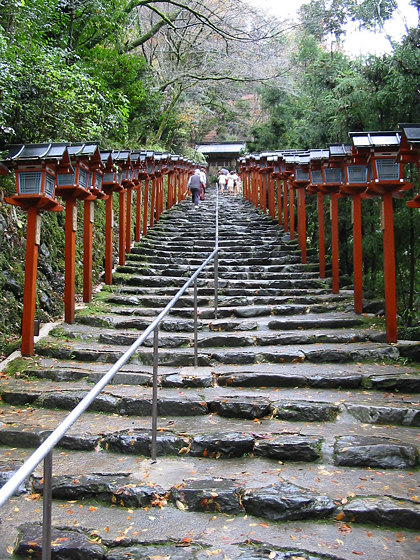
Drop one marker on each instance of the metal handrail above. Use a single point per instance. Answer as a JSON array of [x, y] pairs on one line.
[[44, 451]]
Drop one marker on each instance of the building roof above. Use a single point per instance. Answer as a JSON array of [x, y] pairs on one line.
[[220, 148]]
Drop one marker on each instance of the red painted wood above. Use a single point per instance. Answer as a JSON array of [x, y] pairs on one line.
[[291, 211], [29, 294], [121, 227], [70, 261], [87, 249], [279, 205], [321, 234], [138, 213], [389, 268], [302, 222], [145, 205], [334, 244], [357, 254], [108, 238], [285, 205], [128, 225]]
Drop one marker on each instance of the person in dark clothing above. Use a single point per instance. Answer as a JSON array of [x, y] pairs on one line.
[[194, 184]]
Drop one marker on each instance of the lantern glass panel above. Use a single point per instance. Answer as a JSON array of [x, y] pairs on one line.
[[357, 173], [83, 178], [30, 183], [108, 177], [332, 175], [49, 185], [316, 176], [130, 174], [98, 181], [387, 170], [301, 175], [65, 179], [119, 176]]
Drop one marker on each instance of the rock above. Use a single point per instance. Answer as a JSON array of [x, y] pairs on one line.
[[284, 501], [221, 445], [375, 452], [303, 411], [7, 470], [176, 380], [159, 551], [138, 442], [66, 544], [384, 510], [11, 284], [109, 488], [407, 416], [241, 407], [213, 495], [288, 447]]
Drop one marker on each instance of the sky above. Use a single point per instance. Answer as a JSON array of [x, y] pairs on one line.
[[356, 42]]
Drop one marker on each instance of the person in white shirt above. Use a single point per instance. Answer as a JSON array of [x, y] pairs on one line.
[[231, 182]]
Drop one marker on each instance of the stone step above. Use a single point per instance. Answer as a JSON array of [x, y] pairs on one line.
[[213, 437], [218, 334], [321, 353], [138, 280], [380, 377]]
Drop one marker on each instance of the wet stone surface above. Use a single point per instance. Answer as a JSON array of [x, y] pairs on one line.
[[139, 442], [384, 510], [221, 445], [66, 544], [215, 495], [240, 407], [108, 488], [286, 501], [375, 452], [406, 416], [289, 448]]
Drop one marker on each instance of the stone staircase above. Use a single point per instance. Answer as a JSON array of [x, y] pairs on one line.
[[294, 438]]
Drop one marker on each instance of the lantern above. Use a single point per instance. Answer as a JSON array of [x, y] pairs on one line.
[[35, 170], [410, 153], [379, 150]]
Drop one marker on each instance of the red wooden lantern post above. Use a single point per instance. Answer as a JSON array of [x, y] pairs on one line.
[[155, 180], [385, 180], [410, 153], [354, 185], [35, 168], [95, 187], [149, 173], [123, 162], [136, 187], [332, 180], [72, 187], [277, 177], [110, 184], [173, 161], [288, 170], [300, 182], [317, 158]]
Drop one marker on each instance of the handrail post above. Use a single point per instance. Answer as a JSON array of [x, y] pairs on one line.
[[195, 325], [216, 283], [46, 506], [155, 391], [216, 257]]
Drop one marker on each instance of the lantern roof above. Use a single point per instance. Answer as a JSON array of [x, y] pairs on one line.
[[135, 157], [411, 132], [82, 150], [340, 150], [319, 154], [376, 139], [27, 152]]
